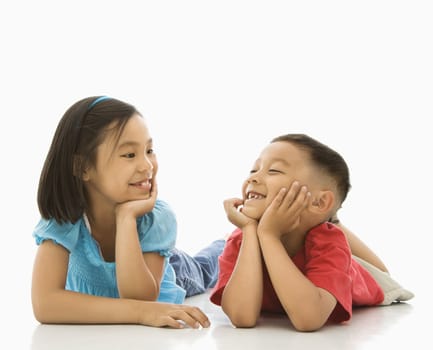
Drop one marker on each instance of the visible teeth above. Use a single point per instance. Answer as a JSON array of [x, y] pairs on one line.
[[255, 196]]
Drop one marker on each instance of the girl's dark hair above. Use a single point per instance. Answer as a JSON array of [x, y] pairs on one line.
[[323, 157], [81, 130]]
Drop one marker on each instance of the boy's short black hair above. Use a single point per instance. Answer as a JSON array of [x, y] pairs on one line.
[[325, 158]]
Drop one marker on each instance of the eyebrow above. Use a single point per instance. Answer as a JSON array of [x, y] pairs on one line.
[[276, 160], [132, 143], [282, 160]]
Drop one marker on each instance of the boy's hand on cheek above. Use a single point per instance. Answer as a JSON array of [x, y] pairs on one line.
[[284, 213]]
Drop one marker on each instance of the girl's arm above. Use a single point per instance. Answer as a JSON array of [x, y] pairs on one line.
[[138, 275], [53, 304], [360, 249]]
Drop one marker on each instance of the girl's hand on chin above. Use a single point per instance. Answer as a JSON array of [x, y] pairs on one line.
[[138, 207]]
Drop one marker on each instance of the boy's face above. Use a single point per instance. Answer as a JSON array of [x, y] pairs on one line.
[[278, 165]]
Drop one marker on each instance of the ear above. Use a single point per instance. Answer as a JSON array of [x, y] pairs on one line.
[[78, 169], [323, 202], [85, 176]]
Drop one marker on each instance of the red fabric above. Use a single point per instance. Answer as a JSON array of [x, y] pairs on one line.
[[325, 260]]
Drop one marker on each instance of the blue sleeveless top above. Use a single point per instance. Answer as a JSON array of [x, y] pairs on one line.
[[88, 272]]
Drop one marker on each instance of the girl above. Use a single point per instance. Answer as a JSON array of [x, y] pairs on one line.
[[104, 239]]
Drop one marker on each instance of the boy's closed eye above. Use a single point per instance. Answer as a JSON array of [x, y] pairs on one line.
[[270, 171]]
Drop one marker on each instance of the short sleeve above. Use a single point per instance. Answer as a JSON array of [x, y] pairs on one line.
[[65, 234], [157, 229], [226, 261], [328, 264]]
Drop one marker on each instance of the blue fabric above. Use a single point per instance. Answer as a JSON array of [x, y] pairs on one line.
[[99, 99], [157, 230], [197, 273], [89, 273]]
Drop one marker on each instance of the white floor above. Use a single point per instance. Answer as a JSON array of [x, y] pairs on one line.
[[400, 326]]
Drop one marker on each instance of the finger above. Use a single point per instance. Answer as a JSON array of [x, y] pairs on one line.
[[187, 318], [295, 196], [232, 203], [171, 322], [292, 194], [302, 200], [276, 202], [199, 316], [154, 189]]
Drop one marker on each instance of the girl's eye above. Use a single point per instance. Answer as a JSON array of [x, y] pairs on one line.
[[275, 171], [150, 151], [129, 155], [253, 171]]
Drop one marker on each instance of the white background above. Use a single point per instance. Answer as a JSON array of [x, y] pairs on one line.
[[216, 81]]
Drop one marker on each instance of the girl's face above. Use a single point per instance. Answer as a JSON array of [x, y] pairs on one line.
[[125, 169], [279, 164]]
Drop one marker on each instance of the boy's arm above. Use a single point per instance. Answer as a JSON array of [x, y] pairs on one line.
[[307, 306], [242, 296]]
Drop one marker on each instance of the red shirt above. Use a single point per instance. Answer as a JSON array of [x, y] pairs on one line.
[[325, 260]]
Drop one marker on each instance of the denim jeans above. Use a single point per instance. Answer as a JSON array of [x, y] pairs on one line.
[[197, 273]]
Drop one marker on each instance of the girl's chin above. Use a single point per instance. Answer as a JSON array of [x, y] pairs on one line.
[[140, 197]]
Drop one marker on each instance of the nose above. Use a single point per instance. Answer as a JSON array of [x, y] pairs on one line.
[[146, 165], [253, 178]]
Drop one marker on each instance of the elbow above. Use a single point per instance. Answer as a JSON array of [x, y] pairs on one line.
[[243, 323], [149, 294], [153, 295], [41, 318], [40, 312], [307, 325], [241, 319], [309, 318]]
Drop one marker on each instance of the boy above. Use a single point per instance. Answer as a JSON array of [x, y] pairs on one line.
[[286, 256]]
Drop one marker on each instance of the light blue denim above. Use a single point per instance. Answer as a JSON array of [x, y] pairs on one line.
[[195, 274]]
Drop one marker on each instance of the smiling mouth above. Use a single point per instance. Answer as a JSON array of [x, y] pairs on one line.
[[255, 195], [142, 184]]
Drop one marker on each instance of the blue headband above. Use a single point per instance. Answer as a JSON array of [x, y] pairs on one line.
[[99, 99]]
